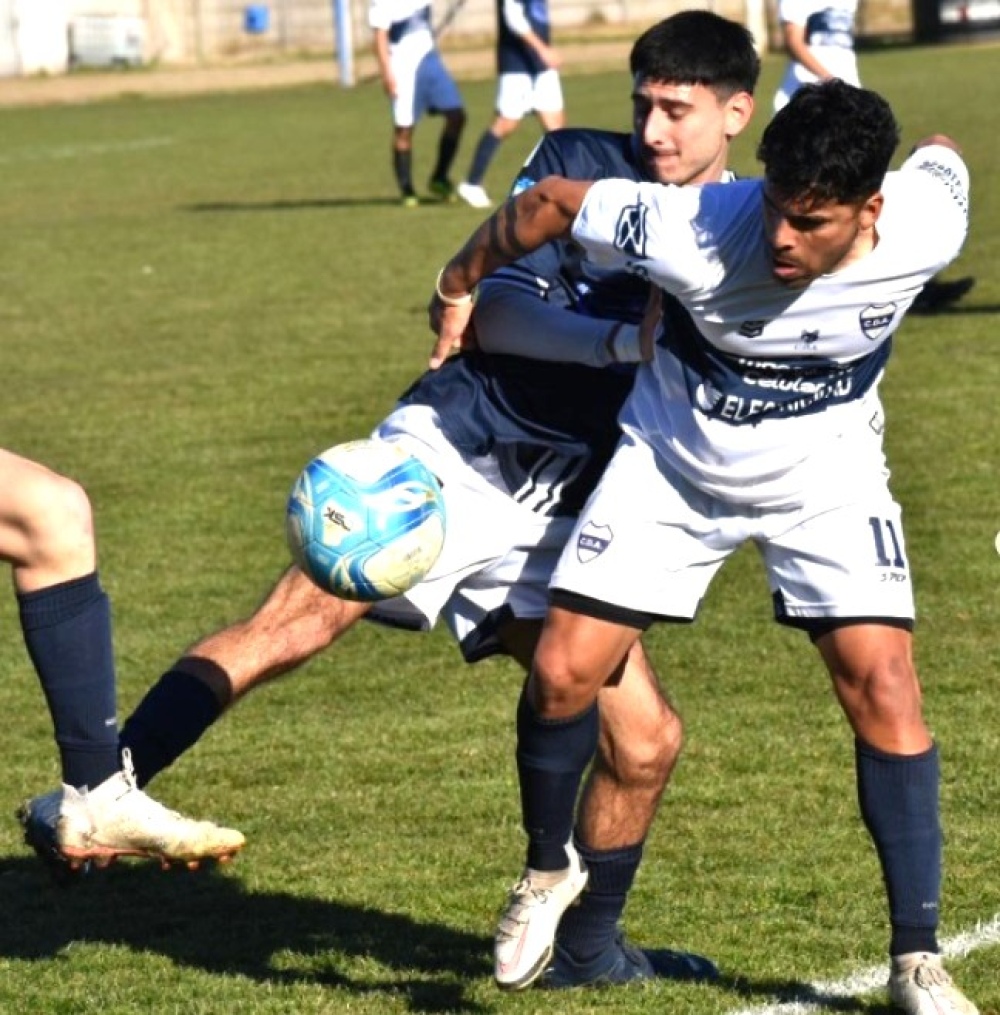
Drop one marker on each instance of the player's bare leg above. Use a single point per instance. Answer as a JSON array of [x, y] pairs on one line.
[[898, 785], [47, 536], [295, 622]]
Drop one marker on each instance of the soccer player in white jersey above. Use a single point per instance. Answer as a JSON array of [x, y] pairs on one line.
[[417, 82], [519, 445], [758, 419], [819, 38]]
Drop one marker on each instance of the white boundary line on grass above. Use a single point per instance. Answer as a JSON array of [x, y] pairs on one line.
[[815, 997], [80, 150]]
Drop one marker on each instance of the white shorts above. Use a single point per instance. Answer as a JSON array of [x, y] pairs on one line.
[[427, 87], [650, 542], [498, 554], [520, 94]]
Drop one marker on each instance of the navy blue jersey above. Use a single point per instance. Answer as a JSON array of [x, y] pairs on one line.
[[514, 55], [558, 272], [524, 412]]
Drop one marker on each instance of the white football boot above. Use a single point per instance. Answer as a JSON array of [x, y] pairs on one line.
[[474, 195], [119, 819], [526, 933], [919, 985]]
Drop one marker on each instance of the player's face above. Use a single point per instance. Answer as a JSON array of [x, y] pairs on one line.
[[809, 237], [683, 131]]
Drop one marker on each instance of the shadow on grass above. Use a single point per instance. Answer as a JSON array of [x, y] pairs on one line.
[[208, 920]]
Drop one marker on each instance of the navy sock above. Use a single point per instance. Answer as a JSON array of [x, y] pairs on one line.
[[447, 146], [483, 155], [67, 631], [402, 166], [172, 717], [551, 759], [591, 926], [899, 803]]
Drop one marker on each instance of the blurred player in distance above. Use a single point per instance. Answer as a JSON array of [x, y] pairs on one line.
[[417, 82], [758, 420], [47, 537], [527, 82]]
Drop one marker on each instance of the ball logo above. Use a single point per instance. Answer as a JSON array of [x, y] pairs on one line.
[[593, 541]]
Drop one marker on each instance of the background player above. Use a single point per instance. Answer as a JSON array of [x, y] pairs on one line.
[[417, 82], [759, 420], [819, 39], [528, 81], [47, 536], [519, 445]]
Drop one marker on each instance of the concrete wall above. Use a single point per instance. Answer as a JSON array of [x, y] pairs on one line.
[[195, 31]]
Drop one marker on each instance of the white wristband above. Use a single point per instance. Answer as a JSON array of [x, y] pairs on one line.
[[450, 301]]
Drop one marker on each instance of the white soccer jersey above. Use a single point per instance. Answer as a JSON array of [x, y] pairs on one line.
[[764, 391], [829, 32], [408, 23]]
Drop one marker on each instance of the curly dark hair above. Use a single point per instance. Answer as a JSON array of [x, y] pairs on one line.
[[697, 48], [832, 142]]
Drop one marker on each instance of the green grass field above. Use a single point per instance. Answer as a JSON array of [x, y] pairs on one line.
[[198, 295]]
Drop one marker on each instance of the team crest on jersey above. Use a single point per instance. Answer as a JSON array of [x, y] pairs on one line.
[[752, 329], [592, 541], [876, 318], [630, 233]]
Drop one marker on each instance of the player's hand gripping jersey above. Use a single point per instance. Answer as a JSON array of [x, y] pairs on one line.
[[758, 406]]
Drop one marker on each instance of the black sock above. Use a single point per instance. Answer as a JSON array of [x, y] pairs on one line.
[[483, 155], [447, 147], [402, 166], [591, 926], [899, 803], [67, 630], [551, 759], [172, 717]]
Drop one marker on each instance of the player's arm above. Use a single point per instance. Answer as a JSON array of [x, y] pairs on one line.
[[380, 45], [794, 37], [542, 213], [514, 322]]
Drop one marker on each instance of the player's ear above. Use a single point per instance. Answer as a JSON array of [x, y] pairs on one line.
[[739, 109], [871, 208]]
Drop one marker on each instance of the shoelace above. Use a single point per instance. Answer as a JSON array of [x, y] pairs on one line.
[[150, 806], [510, 923], [926, 976]]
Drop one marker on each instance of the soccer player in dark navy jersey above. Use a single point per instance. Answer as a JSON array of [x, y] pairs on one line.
[[519, 445]]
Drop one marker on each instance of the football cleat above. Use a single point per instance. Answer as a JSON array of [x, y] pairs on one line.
[[622, 962], [526, 933], [443, 190], [919, 985], [409, 201], [119, 819], [474, 195], [38, 818]]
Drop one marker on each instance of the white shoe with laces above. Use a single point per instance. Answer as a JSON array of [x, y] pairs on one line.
[[119, 819], [474, 195], [919, 985], [525, 936]]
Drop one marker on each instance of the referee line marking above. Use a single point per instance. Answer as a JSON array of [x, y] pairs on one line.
[[828, 994]]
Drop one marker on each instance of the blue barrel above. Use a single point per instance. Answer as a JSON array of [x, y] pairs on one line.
[[256, 19]]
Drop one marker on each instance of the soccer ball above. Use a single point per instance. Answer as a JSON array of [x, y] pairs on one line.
[[365, 520]]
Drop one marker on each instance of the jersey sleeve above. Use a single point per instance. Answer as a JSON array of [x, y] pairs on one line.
[[797, 12], [645, 228], [939, 179], [379, 14]]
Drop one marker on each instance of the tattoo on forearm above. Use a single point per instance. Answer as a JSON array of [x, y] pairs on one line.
[[503, 232]]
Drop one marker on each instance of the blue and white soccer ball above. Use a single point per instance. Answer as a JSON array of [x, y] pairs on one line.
[[365, 520]]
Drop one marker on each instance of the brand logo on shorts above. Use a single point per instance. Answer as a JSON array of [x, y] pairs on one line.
[[592, 541], [876, 318]]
